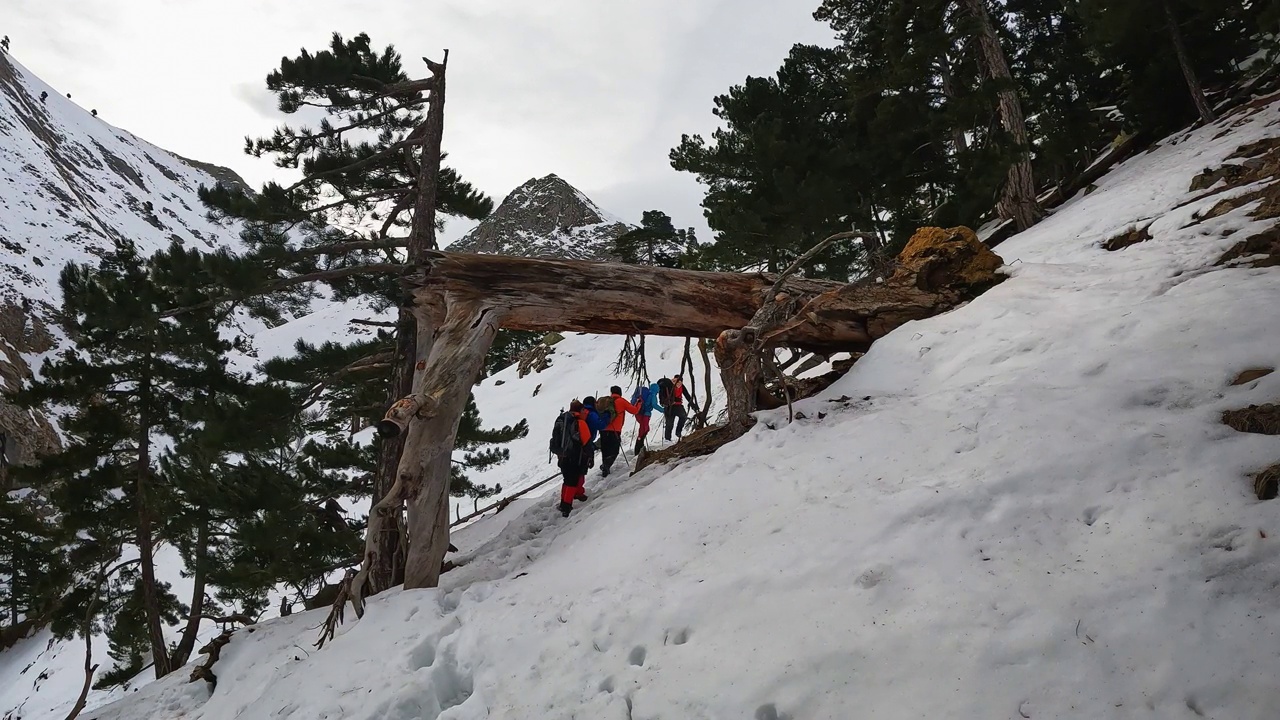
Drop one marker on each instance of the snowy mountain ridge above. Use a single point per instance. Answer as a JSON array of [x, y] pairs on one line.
[[545, 217], [73, 185], [1026, 507]]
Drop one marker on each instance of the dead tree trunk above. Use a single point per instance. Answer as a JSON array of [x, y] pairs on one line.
[[545, 295], [456, 362], [1184, 62], [386, 530], [1018, 198], [389, 554]]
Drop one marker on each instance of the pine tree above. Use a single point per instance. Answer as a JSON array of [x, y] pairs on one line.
[[474, 441], [783, 172], [506, 350], [33, 570], [372, 178], [1168, 52], [124, 387], [655, 242]]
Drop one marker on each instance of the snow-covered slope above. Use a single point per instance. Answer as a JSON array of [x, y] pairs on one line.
[[1027, 507], [545, 217], [73, 184], [70, 186]]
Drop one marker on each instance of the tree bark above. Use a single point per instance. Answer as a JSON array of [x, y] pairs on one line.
[[187, 643], [385, 550], [1184, 61], [1018, 197], [145, 538], [455, 363], [958, 138], [544, 295]]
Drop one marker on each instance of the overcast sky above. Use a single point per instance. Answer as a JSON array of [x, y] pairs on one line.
[[596, 91]]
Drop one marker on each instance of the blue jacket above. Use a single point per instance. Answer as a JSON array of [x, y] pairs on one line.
[[647, 399], [594, 422]]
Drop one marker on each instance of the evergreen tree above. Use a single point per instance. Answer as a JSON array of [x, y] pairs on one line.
[[1168, 52], [506, 350], [781, 174], [372, 178], [474, 442], [655, 242], [33, 570], [125, 387]]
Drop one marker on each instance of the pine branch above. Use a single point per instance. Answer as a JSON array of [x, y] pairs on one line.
[[800, 261], [375, 269], [377, 361], [414, 138]]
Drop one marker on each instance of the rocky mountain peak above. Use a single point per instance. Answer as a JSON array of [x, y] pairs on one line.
[[545, 217]]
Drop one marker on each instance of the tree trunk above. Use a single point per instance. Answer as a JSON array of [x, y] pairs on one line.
[[385, 549], [1018, 197], [1184, 61], [706, 389], [386, 516], [145, 538], [544, 295], [740, 373], [958, 138], [387, 570], [455, 363], [187, 643]]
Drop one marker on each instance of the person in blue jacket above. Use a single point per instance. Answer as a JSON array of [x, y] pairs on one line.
[[647, 399], [595, 423]]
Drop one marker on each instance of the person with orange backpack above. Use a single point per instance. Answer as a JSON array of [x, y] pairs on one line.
[[611, 411]]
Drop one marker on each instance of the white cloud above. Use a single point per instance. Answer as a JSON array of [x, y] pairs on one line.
[[597, 91]]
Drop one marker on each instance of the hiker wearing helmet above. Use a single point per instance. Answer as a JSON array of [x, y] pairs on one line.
[[611, 411]]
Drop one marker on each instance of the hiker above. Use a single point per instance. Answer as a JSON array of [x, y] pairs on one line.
[[569, 442], [646, 398], [611, 411], [596, 424], [671, 395]]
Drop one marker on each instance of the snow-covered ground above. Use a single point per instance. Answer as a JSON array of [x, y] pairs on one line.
[[1026, 507]]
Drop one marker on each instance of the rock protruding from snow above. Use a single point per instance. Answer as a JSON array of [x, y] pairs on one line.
[[545, 217]]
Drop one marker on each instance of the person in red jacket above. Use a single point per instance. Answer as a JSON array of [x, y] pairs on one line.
[[571, 441], [611, 436], [674, 407]]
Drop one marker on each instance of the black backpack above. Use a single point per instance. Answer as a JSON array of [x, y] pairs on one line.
[[565, 434], [666, 392]]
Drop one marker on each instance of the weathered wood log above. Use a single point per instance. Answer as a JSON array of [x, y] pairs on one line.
[[456, 361], [937, 270], [544, 295]]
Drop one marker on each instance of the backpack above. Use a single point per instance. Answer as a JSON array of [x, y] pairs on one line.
[[606, 409], [666, 392], [565, 434]]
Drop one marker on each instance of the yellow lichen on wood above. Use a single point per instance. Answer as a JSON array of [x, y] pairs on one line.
[[957, 252]]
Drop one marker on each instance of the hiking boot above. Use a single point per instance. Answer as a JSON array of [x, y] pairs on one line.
[[565, 509], [581, 498], [604, 472]]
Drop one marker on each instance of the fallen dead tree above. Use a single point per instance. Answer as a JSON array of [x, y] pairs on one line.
[[936, 271], [467, 298]]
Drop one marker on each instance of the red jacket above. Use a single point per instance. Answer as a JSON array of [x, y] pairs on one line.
[[619, 405]]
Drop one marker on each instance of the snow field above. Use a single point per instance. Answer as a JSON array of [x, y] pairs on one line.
[[1026, 507]]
